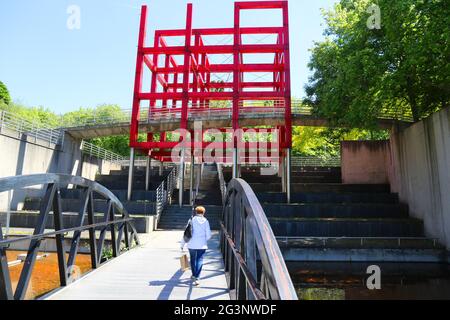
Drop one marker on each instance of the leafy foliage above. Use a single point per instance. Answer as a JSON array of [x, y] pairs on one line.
[[4, 94], [325, 142], [404, 67]]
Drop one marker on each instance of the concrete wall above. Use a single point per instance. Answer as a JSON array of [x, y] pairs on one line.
[[365, 162], [21, 157], [92, 166], [420, 172]]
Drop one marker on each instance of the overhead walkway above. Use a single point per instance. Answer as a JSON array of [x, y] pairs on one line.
[[169, 120], [152, 272]]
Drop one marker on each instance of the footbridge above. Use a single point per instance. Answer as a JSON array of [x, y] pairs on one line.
[[144, 266]]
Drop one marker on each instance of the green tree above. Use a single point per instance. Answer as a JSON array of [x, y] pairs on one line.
[[403, 68], [4, 94], [326, 142]]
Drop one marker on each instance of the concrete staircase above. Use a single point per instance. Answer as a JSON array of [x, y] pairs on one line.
[[175, 217], [329, 221]]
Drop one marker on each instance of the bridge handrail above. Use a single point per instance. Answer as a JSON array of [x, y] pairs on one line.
[[264, 109], [246, 234], [52, 202], [12, 121]]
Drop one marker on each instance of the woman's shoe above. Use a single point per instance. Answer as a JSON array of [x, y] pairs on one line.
[[196, 283]]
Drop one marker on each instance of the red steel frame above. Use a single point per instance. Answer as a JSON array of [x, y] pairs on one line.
[[196, 90]]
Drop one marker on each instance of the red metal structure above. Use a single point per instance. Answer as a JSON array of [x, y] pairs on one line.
[[181, 76]]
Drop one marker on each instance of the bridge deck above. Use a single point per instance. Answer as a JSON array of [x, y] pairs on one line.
[[151, 272]]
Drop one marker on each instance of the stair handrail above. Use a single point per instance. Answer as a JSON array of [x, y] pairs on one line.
[[51, 201], [245, 235], [164, 192], [198, 180], [222, 183]]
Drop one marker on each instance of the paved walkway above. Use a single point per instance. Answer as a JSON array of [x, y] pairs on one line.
[[151, 272]]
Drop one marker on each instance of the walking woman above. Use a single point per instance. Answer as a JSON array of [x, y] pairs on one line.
[[198, 244]]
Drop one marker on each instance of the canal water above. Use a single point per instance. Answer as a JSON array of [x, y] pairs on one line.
[[348, 281], [45, 276]]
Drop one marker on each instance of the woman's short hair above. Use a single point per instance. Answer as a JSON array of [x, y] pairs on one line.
[[200, 210]]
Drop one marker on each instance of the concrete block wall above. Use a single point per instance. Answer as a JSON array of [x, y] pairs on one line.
[[420, 172], [365, 162]]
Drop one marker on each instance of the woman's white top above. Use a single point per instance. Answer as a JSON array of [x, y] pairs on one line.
[[201, 233]]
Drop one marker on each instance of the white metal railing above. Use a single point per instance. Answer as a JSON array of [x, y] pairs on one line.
[[164, 192], [316, 162], [101, 153], [28, 130], [138, 162]]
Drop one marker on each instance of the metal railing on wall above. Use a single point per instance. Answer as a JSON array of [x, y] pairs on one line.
[[316, 162], [12, 124], [247, 235], [333, 162], [101, 153]]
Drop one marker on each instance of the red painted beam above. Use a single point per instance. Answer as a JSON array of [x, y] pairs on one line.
[[220, 31], [203, 145], [229, 85], [217, 49], [134, 127], [253, 5], [224, 68], [253, 95]]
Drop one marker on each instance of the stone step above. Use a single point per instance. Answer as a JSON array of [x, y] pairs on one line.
[[73, 205], [322, 188], [360, 243], [278, 197], [123, 185], [420, 250], [362, 255], [301, 227], [138, 195], [29, 219], [361, 210]]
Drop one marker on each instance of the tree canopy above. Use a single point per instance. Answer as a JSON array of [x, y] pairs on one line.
[[403, 67], [4, 94]]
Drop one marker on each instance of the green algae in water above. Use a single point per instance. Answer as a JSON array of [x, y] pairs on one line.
[[321, 294]]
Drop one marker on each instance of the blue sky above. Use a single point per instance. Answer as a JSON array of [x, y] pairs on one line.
[[44, 63]]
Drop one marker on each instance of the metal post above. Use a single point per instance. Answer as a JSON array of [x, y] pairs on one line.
[[283, 174], [192, 180], [8, 212], [130, 175], [161, 168], [235, 164], [6, 292], [147, 173], [288, 175], [2, 117], [181, 180]]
